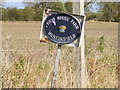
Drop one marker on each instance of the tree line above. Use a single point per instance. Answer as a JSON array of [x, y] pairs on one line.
[[33, 11]]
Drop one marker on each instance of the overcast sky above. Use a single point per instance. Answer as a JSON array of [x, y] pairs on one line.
[[19, 5]]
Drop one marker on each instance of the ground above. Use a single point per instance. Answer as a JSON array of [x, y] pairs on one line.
[[22, 52]]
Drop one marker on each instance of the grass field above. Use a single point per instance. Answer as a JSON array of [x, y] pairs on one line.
[[27, 63]]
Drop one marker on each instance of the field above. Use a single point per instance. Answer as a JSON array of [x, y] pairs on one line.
[[27, 63]]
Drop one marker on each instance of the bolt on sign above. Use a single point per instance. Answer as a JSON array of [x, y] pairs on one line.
[[61, 28]]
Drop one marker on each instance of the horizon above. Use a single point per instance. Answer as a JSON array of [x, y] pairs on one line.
[[21, 5]]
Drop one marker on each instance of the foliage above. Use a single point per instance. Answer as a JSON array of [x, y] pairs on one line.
[[33, 11], [56, 6], [92, 16], [110, 11], [26, 63], [101, 62], [101, 44], [68, 6], [28, 14], [40, 6], [26, 72], [11, 14]]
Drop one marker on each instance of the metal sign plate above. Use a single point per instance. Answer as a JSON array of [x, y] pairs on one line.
[[61, 28]]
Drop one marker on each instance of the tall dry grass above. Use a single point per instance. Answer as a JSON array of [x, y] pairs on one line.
[[23, 72], [26, 63]]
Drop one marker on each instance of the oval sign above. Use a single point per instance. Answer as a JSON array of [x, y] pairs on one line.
[[62, 28]]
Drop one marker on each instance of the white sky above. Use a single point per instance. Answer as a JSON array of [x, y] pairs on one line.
[[63, 0], [13, 0], [20, 5]]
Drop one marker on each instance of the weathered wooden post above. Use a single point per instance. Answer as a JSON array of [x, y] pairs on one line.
[[78, 8], [83, 68], [0, 53]]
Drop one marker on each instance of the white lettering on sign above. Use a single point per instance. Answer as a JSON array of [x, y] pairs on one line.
[[62, 39], [63, 18], [74, 24], [52, 20]]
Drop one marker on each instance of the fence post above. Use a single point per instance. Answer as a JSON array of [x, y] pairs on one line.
[[78, 8]]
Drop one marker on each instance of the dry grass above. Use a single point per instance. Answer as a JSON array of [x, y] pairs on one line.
[[28, 63]]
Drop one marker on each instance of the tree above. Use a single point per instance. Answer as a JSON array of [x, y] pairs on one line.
[[10, 14], [39, 6], [117, 16], [1, 9], [68, 7], [27, 14], [109, 11], [4, 14], [13, 14]]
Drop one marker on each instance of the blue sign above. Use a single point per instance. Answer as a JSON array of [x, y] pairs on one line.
[[61, 28]]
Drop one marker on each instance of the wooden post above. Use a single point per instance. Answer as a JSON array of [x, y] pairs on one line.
[[1, 53], [78, 8], [83, 69]]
